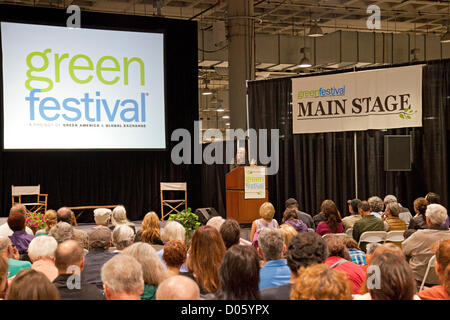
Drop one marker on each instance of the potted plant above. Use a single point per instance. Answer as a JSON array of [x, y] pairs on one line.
[[35, 221], [187, 219]]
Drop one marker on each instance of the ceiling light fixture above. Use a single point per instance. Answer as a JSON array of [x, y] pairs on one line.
[[225, 117], [206, 91], [304, 62], [220, 109]]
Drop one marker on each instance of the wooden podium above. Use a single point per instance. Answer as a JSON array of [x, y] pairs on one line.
[[238, 208]]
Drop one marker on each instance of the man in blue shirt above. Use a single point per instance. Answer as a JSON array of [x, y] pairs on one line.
[[275, 271]]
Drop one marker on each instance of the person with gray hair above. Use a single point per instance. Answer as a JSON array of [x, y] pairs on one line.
[[216, 222], [64, 214], [119, 217], [99, 243], [376, 206], [102, 216], [173, 231], [404, 214], [152, 268], [62, 231], [122, 237], [392, 220], [123, 278], [11, 254], [418, 246], [41, 252], [178, 288], [275, 271]]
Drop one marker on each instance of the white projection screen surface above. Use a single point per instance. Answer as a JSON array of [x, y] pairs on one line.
[[75, 88]]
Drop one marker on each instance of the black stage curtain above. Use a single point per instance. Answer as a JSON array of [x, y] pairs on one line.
[[315, 167]]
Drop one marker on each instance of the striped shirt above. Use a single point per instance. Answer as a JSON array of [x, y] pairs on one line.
[[357, 256]]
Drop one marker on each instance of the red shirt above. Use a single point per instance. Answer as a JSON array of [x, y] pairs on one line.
[[434, 293], [323, 228], [356, 275]]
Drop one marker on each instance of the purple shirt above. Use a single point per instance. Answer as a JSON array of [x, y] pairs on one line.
[[21, 240], [298, 225]]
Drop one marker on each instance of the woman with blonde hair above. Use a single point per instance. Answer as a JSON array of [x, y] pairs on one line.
[[50, 219], [266, 212], [119, 216], [288, 233], [150, 229]]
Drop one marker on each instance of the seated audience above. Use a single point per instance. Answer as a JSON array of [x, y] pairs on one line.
[[123, 278], [392, 221], [150, 230], [305, 249], [432, 197], [419, 221], [30, 284], [266, 212], [231, 234], [318, 282], [290, 218], [3, 278], [69, 260], [42, 254], [418, 246], [62, 231], [173, 231], [394, 279], [102, 217], [205, 258], [442, 268], [358, 256], [368, 222], [239, 274], [332, 222], [216, 222], [404, 214], [275, 271], [19, 239], [370, 249], [376, 206], [64, 214], [5, 230], [339, 259], [99, 243], [178, 288], [7, 251], [122, 237], [119, 217], [152, 268], [292, 203], [318, 218], [50, 220], [175, 253], [288, 232], [354, 216]]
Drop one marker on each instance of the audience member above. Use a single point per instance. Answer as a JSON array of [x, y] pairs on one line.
[[69, 260], [42, 254], [99, 243], [370, 249], [173, 231], [392, 221], [404, 213], [275, 271], [368, 222], [376, 206], [3, 278], [122, 237], [62, 231], [354, 216], [119, 217], [7, 251], [175, 253], [19, 239], [152, 269], [442, 268], [318, 282], [239, 274], [30, 284], [178, 288], [392, 279], [419, 221], [287, 231], [102, 217], [339, 259], [432, 197], [230, 232], [64, 214], [332, 222], [292, 203], [304, 249], [417, 246], [205, 257], [150, 230], [290, 218], [215, 222], [50, 220], [5, 230], [356, 254], [266, 212], [123, 278], [318, 218]]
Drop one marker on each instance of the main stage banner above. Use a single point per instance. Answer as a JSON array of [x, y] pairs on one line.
[[255, 182], [376, 99]]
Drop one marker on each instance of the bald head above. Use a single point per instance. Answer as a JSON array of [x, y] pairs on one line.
[[64, 214], [69, 253], [178, 288]]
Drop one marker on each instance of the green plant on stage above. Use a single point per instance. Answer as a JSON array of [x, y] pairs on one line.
[[35, 221], [187, 219]]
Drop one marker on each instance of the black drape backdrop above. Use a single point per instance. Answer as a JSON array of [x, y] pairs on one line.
[[315, 167]]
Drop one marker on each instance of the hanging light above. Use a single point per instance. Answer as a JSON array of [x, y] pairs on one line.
[[206, 91], [214, 100], [225, 117], [446, 37], [220, 109], [304, 62], [315, 31]]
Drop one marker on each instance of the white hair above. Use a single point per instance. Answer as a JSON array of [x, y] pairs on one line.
[[122, 236], [390, 198], [5, 242], [119, 216], [42, 247], [61, 231], [436, 213], [173, 231], [216, 222], [123, 274], [271, 242]]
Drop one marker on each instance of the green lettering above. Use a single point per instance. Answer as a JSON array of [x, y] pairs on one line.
[[33, 68], [101, 68], [72, 67], [57, 65], [127, 62]]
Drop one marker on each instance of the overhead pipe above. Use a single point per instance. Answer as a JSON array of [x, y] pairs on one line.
[[206, 10]]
